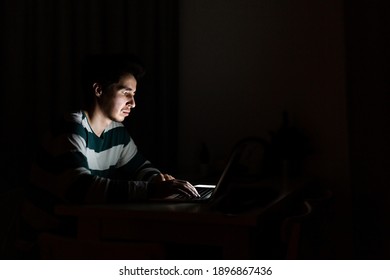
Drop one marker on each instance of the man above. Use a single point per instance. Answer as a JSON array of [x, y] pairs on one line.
[[89, 157]]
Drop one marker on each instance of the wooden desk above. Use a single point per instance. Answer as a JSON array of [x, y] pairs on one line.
[[192, 223]]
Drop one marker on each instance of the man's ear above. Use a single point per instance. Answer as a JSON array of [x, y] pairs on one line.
[[97, 89]]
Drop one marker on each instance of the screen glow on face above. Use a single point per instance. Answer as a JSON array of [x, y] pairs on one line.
[[120, 98]]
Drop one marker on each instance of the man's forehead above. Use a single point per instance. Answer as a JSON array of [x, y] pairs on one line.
[[127, 82]]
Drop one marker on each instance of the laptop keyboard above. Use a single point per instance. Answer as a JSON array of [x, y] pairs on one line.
[[203, 192]]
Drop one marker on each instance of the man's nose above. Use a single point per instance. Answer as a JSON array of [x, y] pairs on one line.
[[131, 102]]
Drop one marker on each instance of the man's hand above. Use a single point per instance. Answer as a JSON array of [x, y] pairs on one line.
[[162, 177], [164, 185]]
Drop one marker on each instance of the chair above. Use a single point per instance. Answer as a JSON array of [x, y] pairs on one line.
[[54, 246], [291, 230], [318, 230], [305, 233]]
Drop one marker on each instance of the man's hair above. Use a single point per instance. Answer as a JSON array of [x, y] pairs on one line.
[[108, 69]]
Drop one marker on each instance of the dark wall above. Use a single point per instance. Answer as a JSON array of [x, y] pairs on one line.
[[243, 63], [368, 80], [327, 63]]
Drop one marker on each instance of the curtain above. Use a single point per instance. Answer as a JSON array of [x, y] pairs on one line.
[[43, 45]]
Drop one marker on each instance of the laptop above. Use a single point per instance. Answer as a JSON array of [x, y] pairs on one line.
[[208, 193], [226, 195]]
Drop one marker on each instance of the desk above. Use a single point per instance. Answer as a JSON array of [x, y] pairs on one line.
[[193, 223]]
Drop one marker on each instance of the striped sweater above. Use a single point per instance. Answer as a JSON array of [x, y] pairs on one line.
[[74, 165]]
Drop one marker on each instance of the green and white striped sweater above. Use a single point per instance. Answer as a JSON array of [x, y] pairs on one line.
[[74, 165]]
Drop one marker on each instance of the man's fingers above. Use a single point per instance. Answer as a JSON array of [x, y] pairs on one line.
[[168, 177], [176, 185], [186, 187], [165, 177]]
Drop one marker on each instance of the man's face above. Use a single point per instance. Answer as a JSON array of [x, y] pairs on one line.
[[118, 99]]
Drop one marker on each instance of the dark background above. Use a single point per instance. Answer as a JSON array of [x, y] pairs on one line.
[[218, 71]]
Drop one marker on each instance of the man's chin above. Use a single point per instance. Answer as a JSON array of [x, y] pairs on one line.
[[118, 118]]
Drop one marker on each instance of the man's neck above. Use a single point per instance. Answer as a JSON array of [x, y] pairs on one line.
[[97, 121]]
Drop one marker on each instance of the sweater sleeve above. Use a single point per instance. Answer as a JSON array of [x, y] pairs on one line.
[[134, 165]]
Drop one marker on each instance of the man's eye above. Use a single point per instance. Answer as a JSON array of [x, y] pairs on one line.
[[128, 93]]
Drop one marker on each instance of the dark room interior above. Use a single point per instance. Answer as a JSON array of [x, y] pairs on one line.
[[217, 72]]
